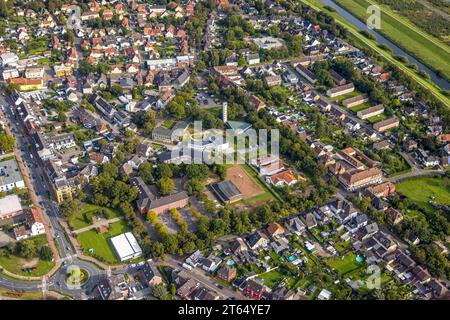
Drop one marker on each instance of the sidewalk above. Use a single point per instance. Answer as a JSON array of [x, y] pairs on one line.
[[17, 276], [98, 223], [79, 250], [29, 185]]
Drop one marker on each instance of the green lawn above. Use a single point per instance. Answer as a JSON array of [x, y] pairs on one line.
[[422, 47], [362, 106], [79, 220], [100, 242], [377, 118], [15, 264], [345, 96], [272, 278], [422, 190], [345, 264], [168, 123]]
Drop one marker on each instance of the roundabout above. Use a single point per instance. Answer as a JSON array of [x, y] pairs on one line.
[[76, 276]]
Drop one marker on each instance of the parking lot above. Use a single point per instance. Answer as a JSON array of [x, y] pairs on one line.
[[205, 100]]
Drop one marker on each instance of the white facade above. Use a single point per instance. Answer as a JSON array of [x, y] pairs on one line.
[[126, 246], [8, 58]]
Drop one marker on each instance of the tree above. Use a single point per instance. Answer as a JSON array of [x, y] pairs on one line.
[[159, 291], [11, 87], [85, 68], [149, 120], [5, 5], [6, 142], [146, 172], [194, 186], [164, 171], [62, 117], [165, 186], [26, 249], [110, 170], [198, 171], [220, 170], [69, 208], [45, 253], [70, 36]]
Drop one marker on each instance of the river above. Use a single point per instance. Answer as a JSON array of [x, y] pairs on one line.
[[381, 39]]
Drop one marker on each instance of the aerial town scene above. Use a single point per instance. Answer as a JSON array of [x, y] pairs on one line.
[[224, 150]]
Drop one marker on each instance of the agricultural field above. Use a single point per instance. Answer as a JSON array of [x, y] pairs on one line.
[[99, 242], [428, 17], [442, 5], [432, 52], [425, 189]]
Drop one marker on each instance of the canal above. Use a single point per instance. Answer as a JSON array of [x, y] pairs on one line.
[[381, 39]]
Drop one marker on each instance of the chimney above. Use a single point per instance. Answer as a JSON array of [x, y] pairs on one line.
[[225, 112]]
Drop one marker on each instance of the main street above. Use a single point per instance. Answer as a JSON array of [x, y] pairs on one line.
[[40, 190]]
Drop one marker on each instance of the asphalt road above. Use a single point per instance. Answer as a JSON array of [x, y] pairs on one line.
[[57, 281]]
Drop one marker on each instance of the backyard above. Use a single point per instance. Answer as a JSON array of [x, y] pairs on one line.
[[345, 264]]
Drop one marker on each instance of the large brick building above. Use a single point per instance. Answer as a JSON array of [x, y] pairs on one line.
[[148, 201], [355, 179]]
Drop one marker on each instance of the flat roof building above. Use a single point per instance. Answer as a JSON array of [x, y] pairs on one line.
[[226, 191], [10, 176], [10, 206], [126, 246]]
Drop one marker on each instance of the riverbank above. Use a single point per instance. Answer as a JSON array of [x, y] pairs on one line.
[[355, 33], [434, 54]]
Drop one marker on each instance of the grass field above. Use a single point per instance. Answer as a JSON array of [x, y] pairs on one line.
[[377, 118], [345, 96], [407, 37], [100, 242], [78, 221], [272, 278], [15, 264], [422, 190], [359, 108]]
